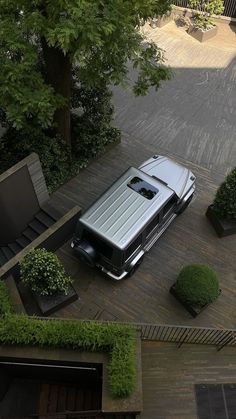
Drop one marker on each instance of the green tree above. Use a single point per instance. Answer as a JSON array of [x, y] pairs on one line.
[[44, 42]]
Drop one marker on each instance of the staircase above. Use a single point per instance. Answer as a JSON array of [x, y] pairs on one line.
[[46, 217]]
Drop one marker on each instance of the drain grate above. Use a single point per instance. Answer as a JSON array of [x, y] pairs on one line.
[[216, 401]]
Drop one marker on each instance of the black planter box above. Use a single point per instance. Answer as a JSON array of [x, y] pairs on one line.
[[193, 310], [52, 303], [222, 227]]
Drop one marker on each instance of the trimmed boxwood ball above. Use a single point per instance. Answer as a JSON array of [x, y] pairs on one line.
[[225, 200], [42, 271], [197, 285]]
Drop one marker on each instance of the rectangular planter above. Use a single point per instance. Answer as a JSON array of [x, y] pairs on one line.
[[202, 35], [44, 305], [51, 304], [222, 227], [193, 310]]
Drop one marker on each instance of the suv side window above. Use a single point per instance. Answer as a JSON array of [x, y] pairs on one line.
[[133, 246], [169, 205]]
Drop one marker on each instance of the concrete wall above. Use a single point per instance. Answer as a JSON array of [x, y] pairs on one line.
[[22, 191], [50, 239]]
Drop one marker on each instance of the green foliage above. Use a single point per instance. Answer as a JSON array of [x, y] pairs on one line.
[[205, 10], [5, 303], [122, 379], [42, 271], [53, 153], [197, 285], [91, 125], [118, 340], [225, 200], [100, 38], [91, 133]]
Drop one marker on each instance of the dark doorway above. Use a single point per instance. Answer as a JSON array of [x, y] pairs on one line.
[[41, 388]]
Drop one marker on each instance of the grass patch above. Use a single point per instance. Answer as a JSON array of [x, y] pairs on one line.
[[117, 340]]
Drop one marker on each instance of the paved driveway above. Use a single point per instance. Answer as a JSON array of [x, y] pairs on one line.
[[191, 118]]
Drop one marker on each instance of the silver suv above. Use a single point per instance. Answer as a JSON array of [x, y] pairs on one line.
[[125, 222]]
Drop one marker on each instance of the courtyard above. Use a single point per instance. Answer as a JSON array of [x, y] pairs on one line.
[[191, 119]]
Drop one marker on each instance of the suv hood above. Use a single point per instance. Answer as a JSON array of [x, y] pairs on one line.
[[175, 176]]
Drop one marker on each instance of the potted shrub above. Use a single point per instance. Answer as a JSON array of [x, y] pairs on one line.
[[43, 273], [222, 213], [203, 27], [196, 287]]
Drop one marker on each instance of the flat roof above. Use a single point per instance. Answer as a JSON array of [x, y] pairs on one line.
[[121, 212]]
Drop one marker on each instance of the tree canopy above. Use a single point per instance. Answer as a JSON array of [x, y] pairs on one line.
[[43, 43]]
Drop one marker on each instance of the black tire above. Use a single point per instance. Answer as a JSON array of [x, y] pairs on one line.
[[184, 206], [135, 267], [86, 253]]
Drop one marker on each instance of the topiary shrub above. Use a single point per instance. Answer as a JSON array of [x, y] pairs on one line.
[[43, 273], [225, 200], [197, 285]]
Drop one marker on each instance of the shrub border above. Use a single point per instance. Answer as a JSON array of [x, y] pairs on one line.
[[5, 302], [116, 339]]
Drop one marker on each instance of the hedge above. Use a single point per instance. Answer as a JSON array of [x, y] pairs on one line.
[[118, 340], [5, 303]]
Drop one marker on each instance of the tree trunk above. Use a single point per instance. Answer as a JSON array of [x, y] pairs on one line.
[[59, 76]]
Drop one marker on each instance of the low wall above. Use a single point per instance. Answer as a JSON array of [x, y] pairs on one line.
[[50, 239], [133, 403]]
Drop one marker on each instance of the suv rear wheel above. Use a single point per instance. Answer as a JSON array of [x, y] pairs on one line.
[[86, 252]]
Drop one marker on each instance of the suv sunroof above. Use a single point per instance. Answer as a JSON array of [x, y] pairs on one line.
[[142, 187]]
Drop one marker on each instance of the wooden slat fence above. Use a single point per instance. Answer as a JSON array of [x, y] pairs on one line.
[[229, 7]]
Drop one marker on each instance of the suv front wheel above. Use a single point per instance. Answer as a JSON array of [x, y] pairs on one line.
[[185, 205]]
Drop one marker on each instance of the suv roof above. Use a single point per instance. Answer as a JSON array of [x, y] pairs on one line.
[[121, 212]]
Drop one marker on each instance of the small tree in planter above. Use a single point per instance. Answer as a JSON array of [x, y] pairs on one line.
[[42, 271], [203, 27], [196, 287], [45, 276], [222, 213]]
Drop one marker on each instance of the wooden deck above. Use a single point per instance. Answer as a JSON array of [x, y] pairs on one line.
[[192, 118], [145, 297], [169, 376]]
